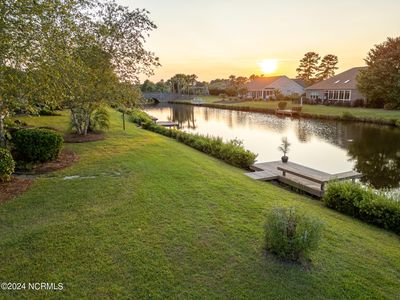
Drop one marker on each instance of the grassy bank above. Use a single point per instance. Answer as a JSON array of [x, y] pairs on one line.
[[370, 115], [151, 218]]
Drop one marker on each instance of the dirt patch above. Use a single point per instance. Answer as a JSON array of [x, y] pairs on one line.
[[65, 159], [90, 137], [13, 188]]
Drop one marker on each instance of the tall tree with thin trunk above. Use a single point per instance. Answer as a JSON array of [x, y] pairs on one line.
[[308, 68], [327, 67]]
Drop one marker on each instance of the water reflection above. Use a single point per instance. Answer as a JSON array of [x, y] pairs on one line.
[[325, 145]]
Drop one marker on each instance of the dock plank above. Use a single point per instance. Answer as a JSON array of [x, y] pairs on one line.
[[262, 175], [298, 176]]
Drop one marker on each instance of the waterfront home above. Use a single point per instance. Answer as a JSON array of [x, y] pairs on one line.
[[265, 87], [339, 88]]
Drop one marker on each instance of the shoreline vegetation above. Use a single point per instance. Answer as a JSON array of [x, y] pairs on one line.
[[139, 206], [334, 113]]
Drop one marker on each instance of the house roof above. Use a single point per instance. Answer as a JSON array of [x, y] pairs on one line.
[[300, 82], [261, 83], [345, 80]]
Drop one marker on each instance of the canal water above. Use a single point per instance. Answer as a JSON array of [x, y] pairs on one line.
[[329, 146]]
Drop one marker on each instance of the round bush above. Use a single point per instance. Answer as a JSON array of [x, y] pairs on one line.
[[291, 235], [7, 165], [282, 105], [37, 145]]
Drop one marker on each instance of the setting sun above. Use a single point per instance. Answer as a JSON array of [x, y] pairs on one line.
[[268, 66]]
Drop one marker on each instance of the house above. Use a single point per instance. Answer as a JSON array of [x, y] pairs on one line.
[[264, 87], [342, 87]]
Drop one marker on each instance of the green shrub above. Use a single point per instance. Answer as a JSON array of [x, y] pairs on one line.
[[282, 105], [348, 116], [100, 120], [37, 145], [48, 112], [391, 106], [358, 103], [7, 165], [139, 117], [291, 235], [363, 203], [397, 123]]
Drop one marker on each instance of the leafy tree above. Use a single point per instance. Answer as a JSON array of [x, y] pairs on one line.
[[122, 33], [148, 86], [327, 67], [380, 81], [308, 67], [162, 86], [26, 29]]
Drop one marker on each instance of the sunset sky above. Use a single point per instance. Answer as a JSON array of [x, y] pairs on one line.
[[217, 38]]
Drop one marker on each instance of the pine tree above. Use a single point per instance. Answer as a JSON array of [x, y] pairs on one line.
[[308, 67], [327, 67]]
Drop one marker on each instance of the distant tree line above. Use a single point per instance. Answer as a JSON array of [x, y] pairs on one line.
[[181, 84], [232, 86]]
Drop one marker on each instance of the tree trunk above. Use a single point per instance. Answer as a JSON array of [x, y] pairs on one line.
[[86, 122], [123, 119], [3, 142], [75, 121]]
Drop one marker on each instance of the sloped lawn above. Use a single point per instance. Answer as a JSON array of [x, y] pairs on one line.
[[150, 218]]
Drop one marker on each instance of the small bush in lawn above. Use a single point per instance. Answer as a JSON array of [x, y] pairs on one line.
[[292, 235], [282, 105], [348, 116], [7, 165], [391, 106], [37, 145], [398, 123], [363, 203]]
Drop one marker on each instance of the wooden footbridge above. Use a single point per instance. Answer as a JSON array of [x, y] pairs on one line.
[[298, 176]]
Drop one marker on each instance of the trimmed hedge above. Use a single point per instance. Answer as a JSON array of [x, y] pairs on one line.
[[363, 203], [7, 165], [37, 145], [231, 152], [138, 116]]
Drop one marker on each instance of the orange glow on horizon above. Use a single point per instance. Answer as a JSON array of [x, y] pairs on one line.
[[268, 66]]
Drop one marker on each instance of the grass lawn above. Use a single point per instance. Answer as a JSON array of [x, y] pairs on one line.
[[315, 109], [161, 220]]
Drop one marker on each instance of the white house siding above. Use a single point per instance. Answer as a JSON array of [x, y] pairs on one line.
[[320, 94]]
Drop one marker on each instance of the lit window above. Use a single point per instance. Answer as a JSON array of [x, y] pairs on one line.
[[341, 95], [337, 81], [330, 95], [347, 81], [347, 95], [335, 95]]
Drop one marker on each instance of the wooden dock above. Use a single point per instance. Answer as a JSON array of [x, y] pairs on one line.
[[295, 111], [298, 176], [167, 123]]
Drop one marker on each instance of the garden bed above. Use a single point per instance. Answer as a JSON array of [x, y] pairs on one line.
[[64, 160], [13, 188]]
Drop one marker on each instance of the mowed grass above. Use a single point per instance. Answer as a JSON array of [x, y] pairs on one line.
[[322, 110], [161, 220]]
